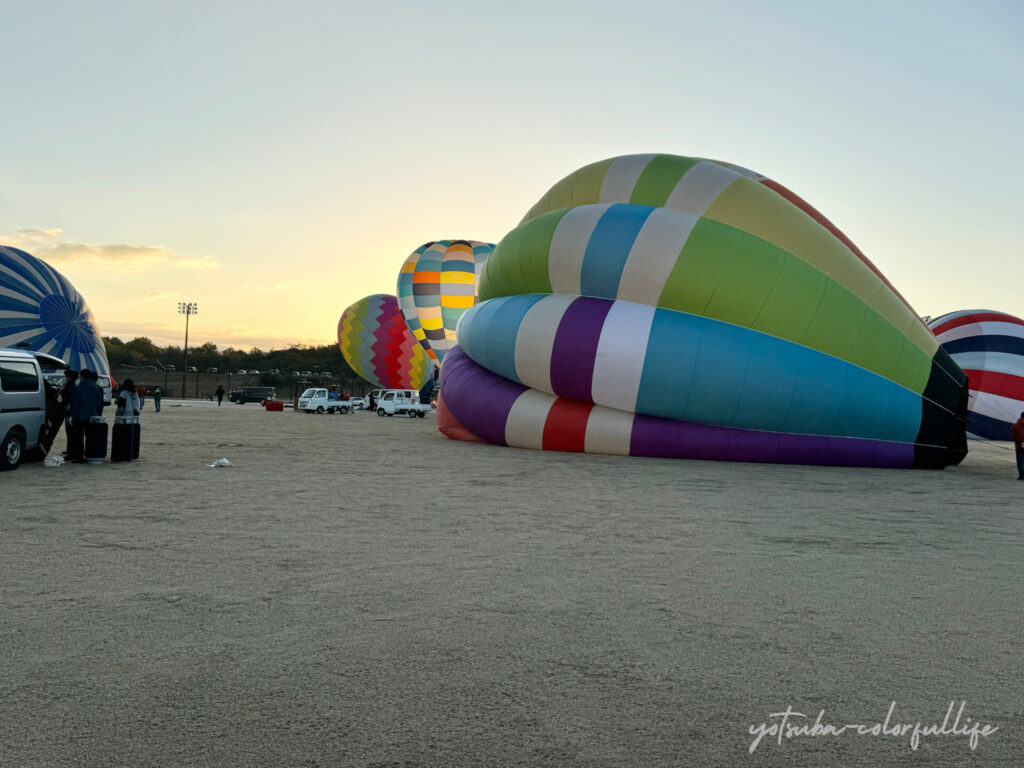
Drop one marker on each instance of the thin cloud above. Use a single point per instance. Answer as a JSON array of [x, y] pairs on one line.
[[50, 246], [278, 287]]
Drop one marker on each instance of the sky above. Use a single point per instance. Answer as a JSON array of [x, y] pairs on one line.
[[275, 162]]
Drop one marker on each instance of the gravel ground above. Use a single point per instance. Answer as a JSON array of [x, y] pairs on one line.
[[360, 591]]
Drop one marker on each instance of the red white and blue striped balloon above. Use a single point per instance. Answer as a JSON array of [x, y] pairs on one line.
[[41, 311], [989, 347]]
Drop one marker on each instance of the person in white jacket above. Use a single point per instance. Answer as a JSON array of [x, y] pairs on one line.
[[128, 410]]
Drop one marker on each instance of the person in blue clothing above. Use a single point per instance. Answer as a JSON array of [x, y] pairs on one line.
[[86, 402]]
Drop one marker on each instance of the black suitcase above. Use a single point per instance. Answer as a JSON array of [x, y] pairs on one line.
[[121, 443], [136, 440], [96, 442]]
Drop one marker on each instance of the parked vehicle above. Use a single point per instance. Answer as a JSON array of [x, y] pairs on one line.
[[242, 372], [326, 374], [253, 372], [317, 400], [252, 395], [400, 401], [107, 384], [193, 369], [357, 403], [22, 406], [306, 374], [171, 368], [208, 370], [296, 374]]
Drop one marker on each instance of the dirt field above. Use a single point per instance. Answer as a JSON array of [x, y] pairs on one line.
[[360, 591]]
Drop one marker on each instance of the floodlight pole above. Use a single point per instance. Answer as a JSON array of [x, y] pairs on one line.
[[186, 308]]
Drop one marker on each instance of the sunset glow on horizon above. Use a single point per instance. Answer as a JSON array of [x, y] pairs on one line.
[[276, 164]]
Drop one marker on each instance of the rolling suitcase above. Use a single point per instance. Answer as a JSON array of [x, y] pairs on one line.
[[121, 442], [136, 440], [96, 441]]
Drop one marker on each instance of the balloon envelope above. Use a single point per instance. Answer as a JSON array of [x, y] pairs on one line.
[[375, 341], [40, 310], [437, 283], [989, 346], [668, 306]]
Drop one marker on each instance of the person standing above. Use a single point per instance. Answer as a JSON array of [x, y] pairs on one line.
[[141, 391], [157, 397], [70, 381], [86, 402], [220, 395], [131, 396], [1017, 435]]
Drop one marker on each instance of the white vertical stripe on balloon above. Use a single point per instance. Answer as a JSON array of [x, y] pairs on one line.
[[569, 245], [13, 314], [608, 431], [16, 295], [653, 255], [524, 427], [738, 169], [997, 407], [1000, 362], [536, 338], [700, 187], [34, 266], [621, 177], [992, 328], [621, 349]]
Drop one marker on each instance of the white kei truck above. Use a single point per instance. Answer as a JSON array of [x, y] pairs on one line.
[[400, 401], [316, 400]]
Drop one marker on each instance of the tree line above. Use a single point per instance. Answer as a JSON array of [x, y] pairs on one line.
[[297, 357]]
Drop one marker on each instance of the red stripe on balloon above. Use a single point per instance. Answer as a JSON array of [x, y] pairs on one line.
[[977, 317], [996, 383], [565, 428]]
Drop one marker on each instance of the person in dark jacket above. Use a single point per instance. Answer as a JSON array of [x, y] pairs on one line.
[[1017, 435], [220, 394], [70, 382], [86, 402]]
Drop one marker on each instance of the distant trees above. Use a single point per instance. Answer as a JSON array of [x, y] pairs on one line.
[[298, 357]]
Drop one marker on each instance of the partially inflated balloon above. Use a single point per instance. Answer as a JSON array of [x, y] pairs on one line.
[[438, 282], [658, 305], [989, 346], [377, 344], [41, 311]]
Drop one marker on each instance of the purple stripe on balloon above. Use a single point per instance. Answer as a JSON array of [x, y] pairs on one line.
[[575, 347], [478, 399], [481, 401], [666, 438]]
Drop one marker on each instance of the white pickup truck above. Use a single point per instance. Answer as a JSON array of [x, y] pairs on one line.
[[315, 400], [405, 401]]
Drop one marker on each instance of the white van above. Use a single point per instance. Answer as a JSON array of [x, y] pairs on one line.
[[317, 400], [403, 401], [22, 406]]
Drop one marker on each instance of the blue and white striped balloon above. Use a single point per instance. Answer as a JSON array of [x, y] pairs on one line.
[[41, 311]]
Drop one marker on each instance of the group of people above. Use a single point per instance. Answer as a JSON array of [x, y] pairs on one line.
[[82, 399]]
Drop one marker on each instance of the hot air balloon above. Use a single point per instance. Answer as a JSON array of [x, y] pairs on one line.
[[438, 282], [657, 305], [989, 347], [375, 341], [41, 311]]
